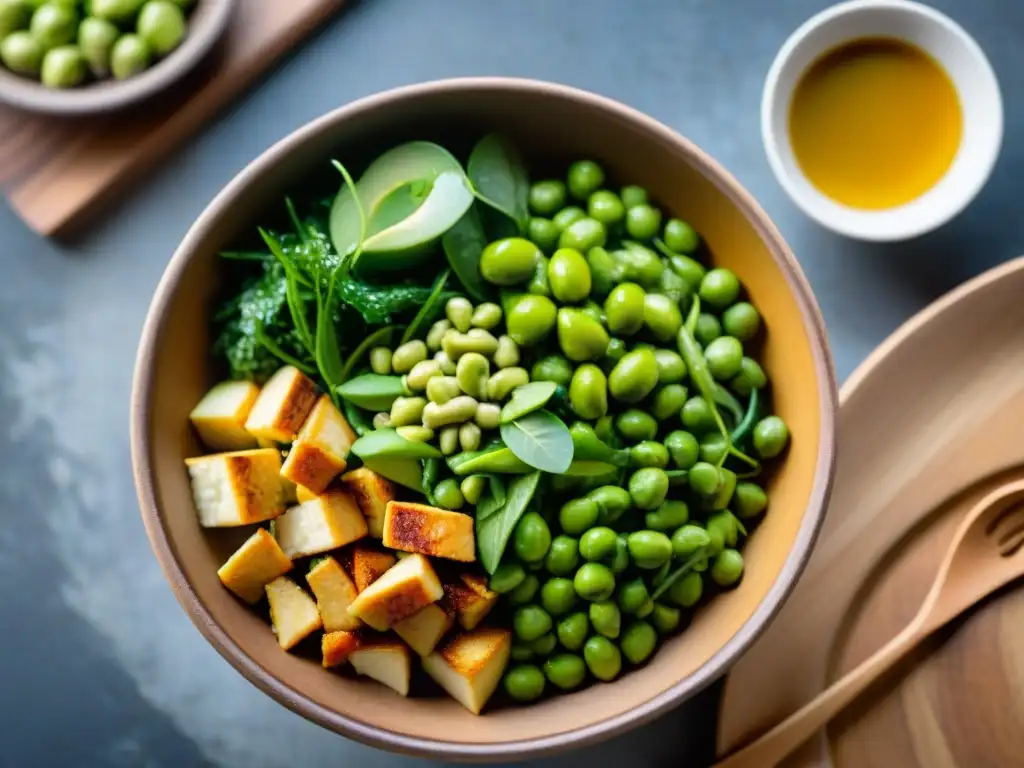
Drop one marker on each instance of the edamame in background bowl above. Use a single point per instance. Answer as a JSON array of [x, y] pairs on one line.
[[79, 56], [490, 414]]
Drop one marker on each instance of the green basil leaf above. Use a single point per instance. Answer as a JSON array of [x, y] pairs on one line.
[[541, 440], [462, 245], [388, 443], [494, 530], [526, 399], [499, 178], [372, 391]]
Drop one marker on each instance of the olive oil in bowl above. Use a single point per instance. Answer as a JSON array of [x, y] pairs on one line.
[[875, 123]]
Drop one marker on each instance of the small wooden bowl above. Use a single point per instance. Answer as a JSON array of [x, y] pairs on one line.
[[206, 24], [549, 122]]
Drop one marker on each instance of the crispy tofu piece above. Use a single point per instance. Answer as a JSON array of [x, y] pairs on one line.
[[404, 589], [219, 418], [256, 563], [386, 661], [429, 531], [470, 598], [282, 406], [236, 488], [368, 564], [292, 612], [372, 492], [338, 646], [309, 466], [334, 592], [318, 453], [304, 494], [329, 521], [470, 665], [425, 628]]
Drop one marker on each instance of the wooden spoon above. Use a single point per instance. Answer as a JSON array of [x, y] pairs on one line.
[[986, 553]]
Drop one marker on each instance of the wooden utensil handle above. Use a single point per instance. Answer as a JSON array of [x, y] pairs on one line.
[[775, 745]]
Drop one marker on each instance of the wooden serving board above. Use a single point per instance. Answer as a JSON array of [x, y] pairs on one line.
[[57, 171], [930, 423]]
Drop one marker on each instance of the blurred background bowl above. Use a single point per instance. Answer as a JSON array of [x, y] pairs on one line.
[[550, 123]]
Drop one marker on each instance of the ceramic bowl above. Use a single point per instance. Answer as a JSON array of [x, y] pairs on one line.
[[965, 63], [551, 123], [206, 24]]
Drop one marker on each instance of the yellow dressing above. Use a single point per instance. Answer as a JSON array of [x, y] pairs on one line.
[[875, 123]]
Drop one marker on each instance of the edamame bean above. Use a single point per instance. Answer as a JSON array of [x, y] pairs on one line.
[[662, 316], [455, 411], [633, 195], [547, 197], [648, 454], [572, 631], [708, 329], [668, 402], [704, 478], [529, 319], [603, 659], [552, 368], [544, 645], [448, 495], [509, 261], [488, 415], [580, 337], [486, 316], [624, 309], [442, 389], [422, 373], [723, 356], [588, 392], [416, 433], [14, 15], [632, 595], [471, 372], [448, 440], [720, 288], [665, 618], [687, 591], [21, 53], [532, 538], [63, 67], [583, 234], [446, 363], [459, 312], [770, 437], [406, 356], [749, 500], [638, 641], [578, 515], [691, 270], [670, 515], [470, 436], [673, 286], [605, 271], [597, 543], [129, 56], [407, 410], [722, 530], [727, 568], [612, 502], [380, 361], [96, 38], [54, 25], [558, 596], [569, 276], [594, 582], [563, 556], [649, 549], [713, 448], [671, 368], [750, 377], [688, 540], [501, 384], [681, 237], [436, 334], [605, 618], [381, 420], [683, 449], [565, 671], [634, 376], [507, 353], [567, 216], [544, 234], [742, 320], [530, 622], [636, 425], [616, 351], [476, 340], [648, 487], [697, 416], [620, 560], [525, 683], [526, 591], [584, 178], [643, 221], [605, 206], [472, 488]]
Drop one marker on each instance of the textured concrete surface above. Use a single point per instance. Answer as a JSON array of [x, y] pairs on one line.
[[99, 666]]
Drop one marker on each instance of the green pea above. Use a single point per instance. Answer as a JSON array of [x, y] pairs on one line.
[[688, 540], [725, 491], [751, 376], [742, 320], [668, 402], [558, 596], [620, 560], [749, 500], [697, 416], [681, 237], [632, 595], [526, 591], [720, 288], [448, 495], [648, 454], [640, 265], [634, 376], [54, 24], [583, 234], [563, 556], [727, 568], [578, 515], [552, 368], [687, 591], [547, 197], [530, 622], [633, 195], [649, 549], [572, 631], [648, 487], [605, 271], [724, 356], [538, 283], [722, 530], [584, 178], [624, 309], [646, 609], [708, 329], [507, 576], [96, 38], [529, 319], [532, 538], [569, 276], [669, 516], [704, 478], [665, 618], [567, 216], [683, 448], [636, 425], [588, 392], [603, 659], [643, 221], [691, 270], [525, 682], [21, 53], [129, 56], [580, 337], [509, 261], [162, 25], [597, 543], [713, 448], [605, 206], [671, 368], [544, 645], [565, 671], [605, 618], [521, 653], [770, 437], [662, 316], [594, 582], [544, 234], [638, 641], [63, 67], [14, 15], [616, 351], [115, 10], [612, 502]]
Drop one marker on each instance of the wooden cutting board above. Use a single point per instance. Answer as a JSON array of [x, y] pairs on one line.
[[928, 425], [56, 172]]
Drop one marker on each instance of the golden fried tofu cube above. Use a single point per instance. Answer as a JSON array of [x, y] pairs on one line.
[[368, 564], [372, 492], [257, 562], [338, 646], [425, 628], [311, 467], [329, 521], [282, 406], [292, 612], [318, 453], [219, 418], [470, 598], [334, 592], [386, 661], [304, 494], [429, 531], [404, 588], [470, 665], [236, 488]]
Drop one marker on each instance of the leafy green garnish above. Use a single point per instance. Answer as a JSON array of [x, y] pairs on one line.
[[463, 245], [495, 522], [678, 573], [380, 336], [380, 304], [541, 440], [499, 178], [428, 310]]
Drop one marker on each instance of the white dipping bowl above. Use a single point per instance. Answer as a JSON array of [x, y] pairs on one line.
[[965, 63]]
